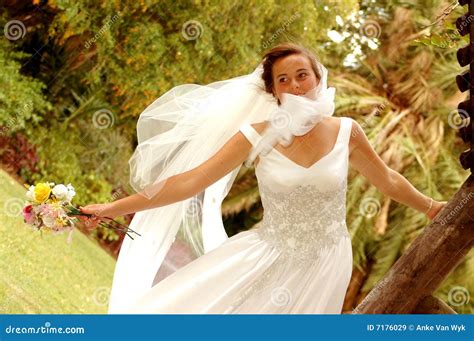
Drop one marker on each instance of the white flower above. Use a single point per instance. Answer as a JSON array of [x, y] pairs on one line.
[[70, 192], [60, 191], [30, 195], [70, 195], [49, 220]]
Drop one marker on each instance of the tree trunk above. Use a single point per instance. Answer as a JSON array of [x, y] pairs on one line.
[[433, 305]]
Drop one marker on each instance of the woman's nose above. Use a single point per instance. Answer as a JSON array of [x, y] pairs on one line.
[[295, 86]]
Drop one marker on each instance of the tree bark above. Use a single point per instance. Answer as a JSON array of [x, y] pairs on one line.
[[433, 305]]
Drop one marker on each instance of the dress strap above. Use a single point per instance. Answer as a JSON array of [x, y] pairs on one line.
[[346, 130], [251, 134]]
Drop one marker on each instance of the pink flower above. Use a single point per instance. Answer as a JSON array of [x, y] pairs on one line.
[[28, 215], [49, 211]]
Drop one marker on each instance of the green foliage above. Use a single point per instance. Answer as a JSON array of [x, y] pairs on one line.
[[95, 163], [21, 97], [443, 33], [139, 50], [60, 153]]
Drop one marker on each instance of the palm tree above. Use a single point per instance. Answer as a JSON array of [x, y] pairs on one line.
[[404, 95]]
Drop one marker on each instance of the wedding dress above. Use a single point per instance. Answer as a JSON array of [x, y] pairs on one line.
[[299, 261]]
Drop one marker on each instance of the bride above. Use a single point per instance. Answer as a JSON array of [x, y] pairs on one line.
[[193, 141]]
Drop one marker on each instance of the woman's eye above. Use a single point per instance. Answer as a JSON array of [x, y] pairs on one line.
[[282, 80], [304, 74]]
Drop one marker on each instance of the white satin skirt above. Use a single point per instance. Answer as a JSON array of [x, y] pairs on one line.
[[247, 275]]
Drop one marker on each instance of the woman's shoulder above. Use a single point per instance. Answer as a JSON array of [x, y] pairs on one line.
[[337, 120]]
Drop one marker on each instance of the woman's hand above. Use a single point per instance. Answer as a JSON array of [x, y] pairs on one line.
[[437, 206], [99, 212]]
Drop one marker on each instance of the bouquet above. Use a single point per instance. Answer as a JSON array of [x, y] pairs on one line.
[[49, 208]]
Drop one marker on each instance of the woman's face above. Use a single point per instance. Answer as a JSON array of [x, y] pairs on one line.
[[293, 74]]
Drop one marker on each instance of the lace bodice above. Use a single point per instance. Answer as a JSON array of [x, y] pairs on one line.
[[304, 208]]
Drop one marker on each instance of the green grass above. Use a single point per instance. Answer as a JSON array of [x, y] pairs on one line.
[[43, 274]]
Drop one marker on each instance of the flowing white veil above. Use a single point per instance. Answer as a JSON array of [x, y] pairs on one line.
[[179, 131]]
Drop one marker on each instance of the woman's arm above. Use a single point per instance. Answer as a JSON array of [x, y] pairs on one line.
[[391, 183], [181, 186]]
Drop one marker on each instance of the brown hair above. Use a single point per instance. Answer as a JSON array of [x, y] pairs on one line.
[[280, 51]]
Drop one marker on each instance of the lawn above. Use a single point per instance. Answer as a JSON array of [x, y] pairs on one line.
[[43, 274]]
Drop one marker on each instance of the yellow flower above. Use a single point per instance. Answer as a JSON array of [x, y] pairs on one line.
[[60, 222], [54, 202], [42, 192]]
